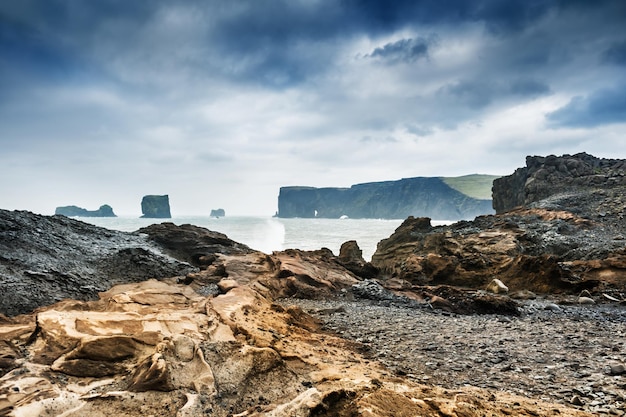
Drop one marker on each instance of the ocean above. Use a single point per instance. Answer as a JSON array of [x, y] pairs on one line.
[[268, 234]]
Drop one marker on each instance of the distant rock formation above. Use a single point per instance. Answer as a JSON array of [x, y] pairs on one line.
[[421, 196], [75, 211], [218, 213], [544, 176], [156, 207]]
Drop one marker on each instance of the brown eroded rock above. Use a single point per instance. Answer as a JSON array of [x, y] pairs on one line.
[[535, 250], [309, 274], [161, 348], [351, 257]]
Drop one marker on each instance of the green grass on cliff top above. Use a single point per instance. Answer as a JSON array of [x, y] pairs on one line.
[[474, 185]]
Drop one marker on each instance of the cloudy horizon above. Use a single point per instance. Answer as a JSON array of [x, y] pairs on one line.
[[220, 103]]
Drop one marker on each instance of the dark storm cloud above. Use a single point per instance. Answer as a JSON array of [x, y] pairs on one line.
[[278, 43], [606, 106], [404, 50], [481, 93], [615, 54]]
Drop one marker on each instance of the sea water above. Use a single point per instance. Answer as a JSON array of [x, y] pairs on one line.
[[268, 234]]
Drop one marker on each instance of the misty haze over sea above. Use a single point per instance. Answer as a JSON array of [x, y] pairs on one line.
[[269, 234]]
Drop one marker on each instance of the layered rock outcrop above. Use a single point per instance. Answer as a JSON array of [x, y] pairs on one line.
[[156, 206], [159, 348], [422, 196], [75, 211], [543, 177]]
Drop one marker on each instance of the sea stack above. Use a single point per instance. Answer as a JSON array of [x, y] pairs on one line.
[[218, 212], [156, 207], [75, 211]]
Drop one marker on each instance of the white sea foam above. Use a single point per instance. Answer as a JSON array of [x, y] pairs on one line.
[[269, 234]]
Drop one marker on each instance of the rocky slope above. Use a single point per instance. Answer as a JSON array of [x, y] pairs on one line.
[[215, 343], [47, 259]]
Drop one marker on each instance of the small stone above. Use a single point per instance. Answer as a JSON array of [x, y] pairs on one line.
[[552, 307], [617, 369], [497, 287], [576, 401], [585, 300]]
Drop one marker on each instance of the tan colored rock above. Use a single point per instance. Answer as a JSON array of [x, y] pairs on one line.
[[162, 349], [497, 287]]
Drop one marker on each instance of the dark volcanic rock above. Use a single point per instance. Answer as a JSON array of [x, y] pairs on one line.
[[543, 177], [156, 206], [191, 243], [422, 196], [74, 211], [44, 259]]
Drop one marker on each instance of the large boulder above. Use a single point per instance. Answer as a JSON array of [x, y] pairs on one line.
[[192, 244], [156, 206], [528, 249]]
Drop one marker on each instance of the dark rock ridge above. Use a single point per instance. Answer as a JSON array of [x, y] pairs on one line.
[[44, 259], [218, 213], [75, 211], [192, 244], [156, 206], [421, 196], [544, 176]]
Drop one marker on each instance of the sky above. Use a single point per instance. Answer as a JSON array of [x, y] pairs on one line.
[[219, 103]]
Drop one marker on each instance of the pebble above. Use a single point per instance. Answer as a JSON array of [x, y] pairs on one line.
[[617, 369]]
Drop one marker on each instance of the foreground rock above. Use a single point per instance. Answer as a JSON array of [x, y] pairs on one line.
[[538, 250], [47, 259], [161, 348]]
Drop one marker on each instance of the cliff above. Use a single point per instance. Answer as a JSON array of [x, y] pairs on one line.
[[156, 206], [545, 176], [421, 196], [74, 211]]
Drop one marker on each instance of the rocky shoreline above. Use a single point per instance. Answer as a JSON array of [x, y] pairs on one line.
[[568, 354], [521, 313]]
